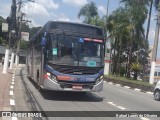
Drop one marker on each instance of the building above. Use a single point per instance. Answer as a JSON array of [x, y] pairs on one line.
[[2, 52], [22, 54], [157, 66]]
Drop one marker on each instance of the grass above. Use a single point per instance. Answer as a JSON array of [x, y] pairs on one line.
[[128, 80]]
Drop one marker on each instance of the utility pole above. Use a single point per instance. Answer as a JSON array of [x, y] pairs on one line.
[[20, 19], [107, 55], [11, 48], [12, 22], [154, 55], [20, 16], [147, 33], [148, 25]]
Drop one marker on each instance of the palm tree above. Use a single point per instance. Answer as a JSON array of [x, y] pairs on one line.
[[136, 68], [89, 11], [98, 21], [138, 14], [117, 26], [125, 26]]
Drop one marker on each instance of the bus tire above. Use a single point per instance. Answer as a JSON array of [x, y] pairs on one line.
[[38, 81], [83, 93], [157, 95], [40, 89]]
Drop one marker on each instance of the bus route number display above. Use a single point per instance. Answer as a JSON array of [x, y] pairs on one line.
[[91, 64]]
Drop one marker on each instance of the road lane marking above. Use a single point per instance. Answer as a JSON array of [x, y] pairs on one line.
[[137, 89], [11, 86], [13, 83], [12, 102], [118, 85], [10, 92], [144, 118], [111, 83], [127, 87], [14, 118], [120, 107], [111, 103], [131, 88], [12, 80], [150, 93]]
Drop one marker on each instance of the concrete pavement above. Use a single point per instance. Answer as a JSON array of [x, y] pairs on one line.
[[5, 82]]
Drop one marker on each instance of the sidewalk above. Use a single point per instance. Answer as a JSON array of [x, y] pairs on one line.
[[5, 82]]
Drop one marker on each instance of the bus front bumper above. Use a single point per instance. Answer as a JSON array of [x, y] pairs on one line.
[[52, 85]]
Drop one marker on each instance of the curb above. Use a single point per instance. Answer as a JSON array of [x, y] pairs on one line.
[[129, 85]]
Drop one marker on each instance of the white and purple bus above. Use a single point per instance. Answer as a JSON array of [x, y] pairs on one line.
[[66, 56]]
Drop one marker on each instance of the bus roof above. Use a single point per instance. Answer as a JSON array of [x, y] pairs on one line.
[[53, 25], [74, 23]]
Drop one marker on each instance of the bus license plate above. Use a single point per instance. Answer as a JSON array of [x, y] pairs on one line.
[[77, 87]]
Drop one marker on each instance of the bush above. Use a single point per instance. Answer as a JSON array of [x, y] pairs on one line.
[[122, 71]]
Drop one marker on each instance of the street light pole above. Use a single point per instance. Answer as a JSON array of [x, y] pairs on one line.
[[107, 55], [154, 55]]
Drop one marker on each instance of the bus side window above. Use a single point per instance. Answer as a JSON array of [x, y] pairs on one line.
[[47, 55], [155, 74], [158, 73]]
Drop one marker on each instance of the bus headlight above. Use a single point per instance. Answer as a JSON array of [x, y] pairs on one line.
[[48, 74], [99, 79], [52, 77]]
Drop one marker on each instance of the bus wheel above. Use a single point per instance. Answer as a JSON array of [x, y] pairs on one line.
[[39, 88], [157, 95], [83, 93], [38, 81]]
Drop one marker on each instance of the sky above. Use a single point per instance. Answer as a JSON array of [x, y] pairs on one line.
[[42, 11]]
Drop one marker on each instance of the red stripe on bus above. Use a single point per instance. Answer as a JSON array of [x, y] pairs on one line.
[[45, 76], [63, 77], [95, 40]]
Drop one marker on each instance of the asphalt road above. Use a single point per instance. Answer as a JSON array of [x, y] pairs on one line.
[[112, 98]]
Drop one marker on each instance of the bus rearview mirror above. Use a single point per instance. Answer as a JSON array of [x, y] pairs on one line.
[[43, 42]]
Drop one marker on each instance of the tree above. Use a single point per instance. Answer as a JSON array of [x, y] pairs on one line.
[[125, 26], [89, 11], [136, 68], [3, 36], [138, 12], [33, 31], [118, 25], [25, 27], [24, 45], [98, 21]]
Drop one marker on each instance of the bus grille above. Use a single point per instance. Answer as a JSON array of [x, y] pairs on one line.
[[75, 70]]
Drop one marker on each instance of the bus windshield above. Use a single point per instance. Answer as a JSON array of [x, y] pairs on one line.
[[76, 51]]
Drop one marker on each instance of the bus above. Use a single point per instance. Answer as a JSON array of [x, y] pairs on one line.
[[67, 56]]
